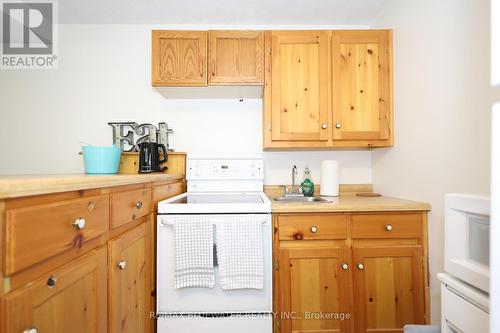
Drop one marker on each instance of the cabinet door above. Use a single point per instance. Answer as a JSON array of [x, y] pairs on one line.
[[299, 85], [236, 57], [128, 302], [179, 58], [362, 101], [70, 299], [314, 288], [388, 288]]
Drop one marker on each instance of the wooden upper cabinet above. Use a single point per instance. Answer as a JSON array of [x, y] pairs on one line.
[[236, 57], [388, 288], [128, 283], [299, 86], [69, 299], [361, 84], [314, 281], [179, 58]]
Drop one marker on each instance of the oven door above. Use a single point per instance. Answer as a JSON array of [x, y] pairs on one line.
[[467, 239], [208, 300]]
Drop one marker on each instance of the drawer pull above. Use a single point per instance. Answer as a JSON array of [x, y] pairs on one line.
[[298, 236], [345, 266], [388, 227], [122, 264], [138, 205], [79, 223], [361, 266], [51, 281], [31, 330], [314, 229]]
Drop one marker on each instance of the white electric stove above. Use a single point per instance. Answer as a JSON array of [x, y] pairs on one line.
[[218, 188]]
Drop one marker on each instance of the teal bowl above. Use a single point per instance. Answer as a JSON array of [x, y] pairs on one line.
[[101, 160]]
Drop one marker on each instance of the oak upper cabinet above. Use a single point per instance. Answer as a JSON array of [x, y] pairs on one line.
[[314, 282], [128, 282], [179, 58], [236, 57], [71, 298], [298, 94], [361, 87], [389, 289]]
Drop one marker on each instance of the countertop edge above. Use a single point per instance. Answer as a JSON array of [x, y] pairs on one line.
[[24, 186]]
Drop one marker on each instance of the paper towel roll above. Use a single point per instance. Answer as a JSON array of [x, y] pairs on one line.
[[329, 178]]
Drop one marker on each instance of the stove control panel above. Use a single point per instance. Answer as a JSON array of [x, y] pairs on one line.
[[220, 169]]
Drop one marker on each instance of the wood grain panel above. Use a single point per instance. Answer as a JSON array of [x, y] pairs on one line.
[[313, 283], [236, 57], [300, 85], [49, 229], [389, 289], [162, 192], [362, 104], [130, 205], [128, 287], [179, 58], [300, 227], [377, 225], [77, 302]]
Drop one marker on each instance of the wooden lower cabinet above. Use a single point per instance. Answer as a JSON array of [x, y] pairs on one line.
[[314, 287], [128, 283], [69, 299], [343, 281], [389, 288]]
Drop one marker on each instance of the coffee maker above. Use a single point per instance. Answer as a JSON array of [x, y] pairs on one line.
[[149, 157]]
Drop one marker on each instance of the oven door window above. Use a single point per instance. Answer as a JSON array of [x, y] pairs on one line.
[[479, 239]]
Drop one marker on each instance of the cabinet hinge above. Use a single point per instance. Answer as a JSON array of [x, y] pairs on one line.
[[270, 127], [276, 265], [278, 324], [270, 50]]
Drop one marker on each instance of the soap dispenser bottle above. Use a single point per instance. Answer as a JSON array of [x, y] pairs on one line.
[[307, 185]]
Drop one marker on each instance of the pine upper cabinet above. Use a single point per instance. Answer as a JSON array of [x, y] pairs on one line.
[[389, 288], [361, 86], [128, 303], [179, 58], [236, 57], [69, 299], [297, 91], [314, 285]]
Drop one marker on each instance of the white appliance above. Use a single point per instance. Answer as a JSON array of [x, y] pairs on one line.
[[467, 239], [465, 285], [217, 188]]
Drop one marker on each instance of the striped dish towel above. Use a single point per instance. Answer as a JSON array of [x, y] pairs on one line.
[[240, 253], [194, 256]]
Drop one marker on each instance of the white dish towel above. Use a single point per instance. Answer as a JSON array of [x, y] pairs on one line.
[[240, 253], [194, 255]]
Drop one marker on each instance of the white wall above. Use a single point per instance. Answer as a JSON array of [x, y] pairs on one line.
[[442, 109], [104, 75]]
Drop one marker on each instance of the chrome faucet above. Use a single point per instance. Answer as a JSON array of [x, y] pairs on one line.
[[295, 188]]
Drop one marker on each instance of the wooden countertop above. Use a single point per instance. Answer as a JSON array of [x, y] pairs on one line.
[[26, 185]]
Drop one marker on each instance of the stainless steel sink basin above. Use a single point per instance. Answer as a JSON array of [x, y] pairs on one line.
[[300, 199]]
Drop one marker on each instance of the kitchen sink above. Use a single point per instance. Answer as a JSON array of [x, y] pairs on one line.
[[300, 199]]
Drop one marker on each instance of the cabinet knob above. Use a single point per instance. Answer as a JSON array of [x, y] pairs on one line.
[[138, 205], [51, 281], [324, 126], [122, 264], [361, 266], [314, 229], [79, 223], [345, 266], [337, 125], [31, 330], [388, 227]]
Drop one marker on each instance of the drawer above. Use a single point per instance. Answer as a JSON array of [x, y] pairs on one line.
[[387, 226], [129, 205], [308, 227], [162, 192], [39, 232]]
